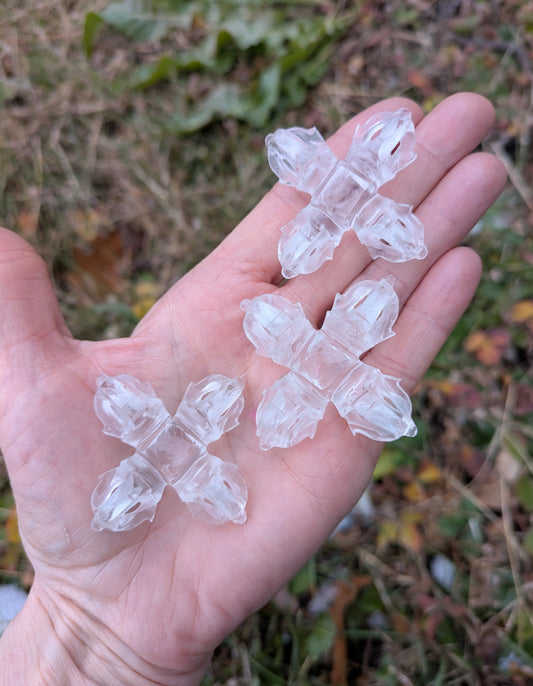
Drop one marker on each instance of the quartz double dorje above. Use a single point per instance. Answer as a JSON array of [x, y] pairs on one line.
[[169, 451], [325, 366], [344, 194]]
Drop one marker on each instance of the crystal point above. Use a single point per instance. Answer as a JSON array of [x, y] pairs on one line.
[[325, 366], [169, 451], [344, 194]]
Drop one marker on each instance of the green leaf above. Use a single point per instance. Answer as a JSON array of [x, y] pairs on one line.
[[283, 55], [305, 579], [388, 462], [528, 541], [524, 492], [91, 28], [141, 26], [321, 637], [267, 677], [452, 525]]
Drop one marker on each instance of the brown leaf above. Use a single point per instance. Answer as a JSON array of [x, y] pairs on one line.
[[99, 267], [524, 400], [471, 459]]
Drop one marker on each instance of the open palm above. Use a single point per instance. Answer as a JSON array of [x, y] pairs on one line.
[[152, 603]]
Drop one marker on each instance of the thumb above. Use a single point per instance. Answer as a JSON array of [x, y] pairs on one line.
[[32, 329]]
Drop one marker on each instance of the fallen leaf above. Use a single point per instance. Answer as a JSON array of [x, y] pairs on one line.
[[488, 346], [507, 465], [414, 492], [27, 223], [99, 268], [457, 394], [146, 295], [472, 459], [404, 532], [410, 536], [420, 81], [522, 311], [388, 533], [524, 400], [11, 526], [429, 473], [89, 224]]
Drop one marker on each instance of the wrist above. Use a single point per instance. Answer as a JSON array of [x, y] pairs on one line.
[[52, 643]]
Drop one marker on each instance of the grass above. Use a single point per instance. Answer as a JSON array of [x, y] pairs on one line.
[[434, 585]]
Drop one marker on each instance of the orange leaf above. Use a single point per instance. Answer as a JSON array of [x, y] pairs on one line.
[[421, 81], [12, 530], [388, 533], [27, 223], [147, 293], [488, 346], [522, 311], [462, 395], [410, 537], [414, 492], [429, 473], [99, 267]]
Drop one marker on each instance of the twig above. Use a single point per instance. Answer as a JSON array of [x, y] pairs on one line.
[[467, 493], [516, 178], [511, 544]]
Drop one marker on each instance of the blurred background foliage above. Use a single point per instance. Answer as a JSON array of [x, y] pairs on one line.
[[132, 141]]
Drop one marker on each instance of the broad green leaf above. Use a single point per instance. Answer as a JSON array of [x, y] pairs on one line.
[[283, 54], [528, 541], [91, 28], [321, 637], [305, 579], [388, 462], [129, 17], [524, 492]]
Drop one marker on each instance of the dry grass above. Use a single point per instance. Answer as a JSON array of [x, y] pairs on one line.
[[120, 209]]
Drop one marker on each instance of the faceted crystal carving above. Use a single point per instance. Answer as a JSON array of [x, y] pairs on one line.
[[325, 366], [169, 451], [344, 194]]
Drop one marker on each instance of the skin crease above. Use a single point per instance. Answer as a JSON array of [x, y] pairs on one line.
[[148, 606]]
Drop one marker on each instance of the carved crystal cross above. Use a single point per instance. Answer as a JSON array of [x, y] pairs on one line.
[[169, 451], [325, 366], [344, 193]]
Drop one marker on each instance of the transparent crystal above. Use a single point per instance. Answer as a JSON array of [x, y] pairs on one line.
[[169, 451], [325, 366], [344, 194]]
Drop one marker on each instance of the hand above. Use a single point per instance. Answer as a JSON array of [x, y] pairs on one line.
[[148, 606]]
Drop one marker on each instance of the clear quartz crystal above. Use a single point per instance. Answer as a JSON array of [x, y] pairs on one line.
[[344, 194], [325, 366], [169, 451]]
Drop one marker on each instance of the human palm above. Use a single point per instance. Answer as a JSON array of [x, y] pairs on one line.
[[164, 594]]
